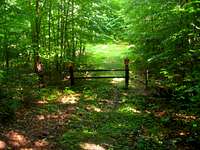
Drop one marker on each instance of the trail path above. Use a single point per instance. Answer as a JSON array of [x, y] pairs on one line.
[[101, 115]]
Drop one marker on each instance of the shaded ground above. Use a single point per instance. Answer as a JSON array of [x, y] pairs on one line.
[[137, 121], [101, 115], [39, 126]]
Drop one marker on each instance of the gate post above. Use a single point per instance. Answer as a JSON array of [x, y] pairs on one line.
[[126, 62], [71, 74]]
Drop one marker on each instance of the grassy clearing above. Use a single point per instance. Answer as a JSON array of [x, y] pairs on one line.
[[106, 56]]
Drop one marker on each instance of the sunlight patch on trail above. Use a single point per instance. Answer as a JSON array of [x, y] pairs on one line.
[[41, 143], [184, 117], [93, 108], [2, 145], [41, 102], [104, 47], [70, 99], [90, 146], [17, 139], [117, 80], [129, 109]]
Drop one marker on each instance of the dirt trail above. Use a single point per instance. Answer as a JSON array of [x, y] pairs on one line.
[[37, 128]]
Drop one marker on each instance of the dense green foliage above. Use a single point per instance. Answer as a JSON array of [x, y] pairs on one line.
[[57, 31], [165, 38], [161, 38]]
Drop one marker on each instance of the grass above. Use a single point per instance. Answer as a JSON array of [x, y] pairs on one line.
[[106, 56], [99, 122], [101, 115], [136, 122]]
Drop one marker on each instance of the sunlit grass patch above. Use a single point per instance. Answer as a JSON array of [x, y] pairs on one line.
[[93, 108], [68, 91], [88, 94], [70, 99], [106, 55], [117, 81], [91, 146], [72, 138], [129, 109], [49, 94]]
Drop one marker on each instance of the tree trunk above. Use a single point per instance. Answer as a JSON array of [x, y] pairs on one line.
[[73, 32], [49, 34], [5, 45], [35, 33]]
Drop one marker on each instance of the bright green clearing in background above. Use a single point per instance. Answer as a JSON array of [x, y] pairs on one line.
[[106, 56]]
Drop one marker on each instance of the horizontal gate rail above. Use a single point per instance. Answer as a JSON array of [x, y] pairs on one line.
[[126, 71], [98, 70], [103, 77]]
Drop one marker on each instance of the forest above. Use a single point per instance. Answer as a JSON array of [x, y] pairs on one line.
[[99, 74]]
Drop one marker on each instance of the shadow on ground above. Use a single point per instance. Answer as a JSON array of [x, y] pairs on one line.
[[101, 115]]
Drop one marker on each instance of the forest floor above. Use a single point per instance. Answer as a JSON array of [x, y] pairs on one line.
[[101, 115]]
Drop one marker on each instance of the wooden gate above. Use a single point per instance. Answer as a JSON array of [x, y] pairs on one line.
[[125, 70]]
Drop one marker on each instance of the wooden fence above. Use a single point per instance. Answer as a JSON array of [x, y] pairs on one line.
[[125, 70]]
